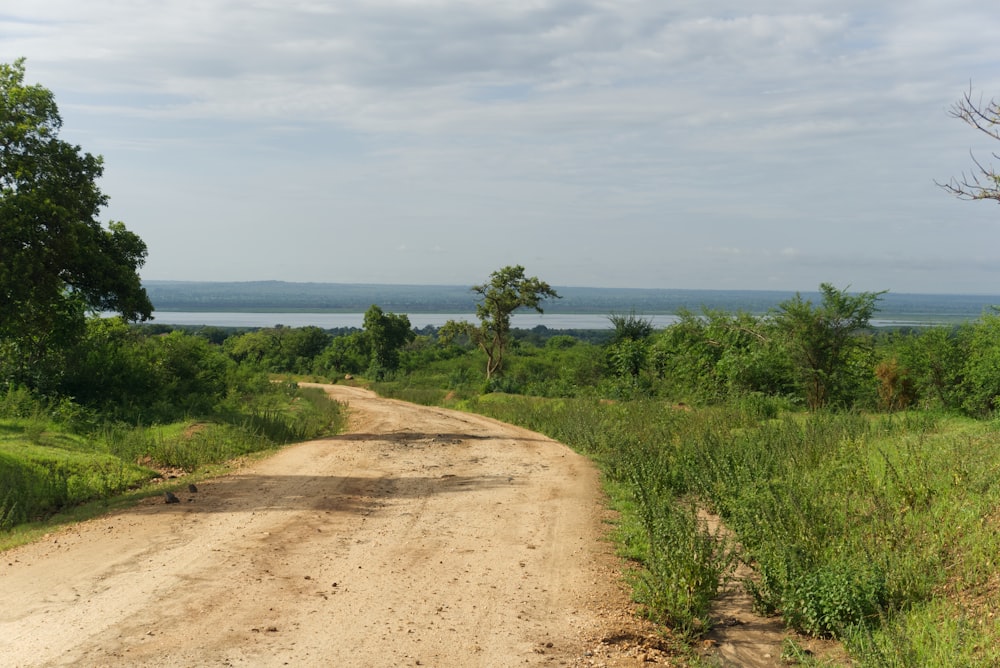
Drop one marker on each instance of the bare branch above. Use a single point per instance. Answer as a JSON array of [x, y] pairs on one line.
[[984, 182], [984, 116]]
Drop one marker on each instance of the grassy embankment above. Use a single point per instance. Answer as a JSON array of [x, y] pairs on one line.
[[881, 531], [51, 471]]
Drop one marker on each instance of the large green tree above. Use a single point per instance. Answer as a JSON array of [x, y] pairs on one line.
[[57, 261], [387, 333], [507, 290]]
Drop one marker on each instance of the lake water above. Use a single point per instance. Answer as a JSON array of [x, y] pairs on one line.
[[418, 320]]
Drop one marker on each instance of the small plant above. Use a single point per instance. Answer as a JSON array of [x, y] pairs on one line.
[[683, 569], [8, 506], [793, 653], [834, 598], [34, 428]]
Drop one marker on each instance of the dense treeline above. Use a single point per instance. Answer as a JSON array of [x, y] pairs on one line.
[[823, 355], [800, 354]]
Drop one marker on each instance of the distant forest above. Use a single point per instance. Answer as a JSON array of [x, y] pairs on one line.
[[279, 296]]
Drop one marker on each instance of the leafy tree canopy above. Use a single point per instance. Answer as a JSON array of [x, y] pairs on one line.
[[57, 261], [507, 290], [820, 340], [387, 333]]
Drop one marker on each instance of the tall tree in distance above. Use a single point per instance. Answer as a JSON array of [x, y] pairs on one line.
[[507, 290], [984, 181], [57, 261]]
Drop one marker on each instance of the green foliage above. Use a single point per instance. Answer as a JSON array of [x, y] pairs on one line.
[[684, 358], [715, 356], [56, 259], [191, 375], [951, 368], [125, 374], [629, 327], [110, 369], [937, 634], [52, 473], [279, 349], [507, 290], [981, 380], [386, 333], [44, 470], [861, 528], [20, 402], [933, 360], [834, 598], [825, 342], [350, 353], [628, 359], [683, 563], [557, 370]]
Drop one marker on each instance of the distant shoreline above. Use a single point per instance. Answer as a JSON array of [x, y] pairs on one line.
[[275, 297], [526, 320]]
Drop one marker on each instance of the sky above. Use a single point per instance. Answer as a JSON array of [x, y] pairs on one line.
[[714, 144]]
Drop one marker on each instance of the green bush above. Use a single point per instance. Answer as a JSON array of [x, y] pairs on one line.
[[834, 597]]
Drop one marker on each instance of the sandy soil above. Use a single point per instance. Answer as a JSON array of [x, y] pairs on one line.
[[422, 537]]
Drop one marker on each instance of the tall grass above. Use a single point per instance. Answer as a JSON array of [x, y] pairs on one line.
[[44, 469], [311, 413], [881, 531], [37, 481]]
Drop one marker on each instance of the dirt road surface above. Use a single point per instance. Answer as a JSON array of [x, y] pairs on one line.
[[422, 537]]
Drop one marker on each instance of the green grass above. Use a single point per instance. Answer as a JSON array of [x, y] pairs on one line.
[[42, 473], [880, 531], [46, 470]]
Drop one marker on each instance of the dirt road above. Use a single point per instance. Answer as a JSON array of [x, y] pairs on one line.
[[422, 537]]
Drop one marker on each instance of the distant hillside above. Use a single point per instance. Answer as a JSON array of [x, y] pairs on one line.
[[278, 296]]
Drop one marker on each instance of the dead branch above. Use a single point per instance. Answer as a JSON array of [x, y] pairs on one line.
[[984, 182]]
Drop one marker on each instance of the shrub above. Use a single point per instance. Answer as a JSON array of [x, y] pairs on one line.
[[834, 597]]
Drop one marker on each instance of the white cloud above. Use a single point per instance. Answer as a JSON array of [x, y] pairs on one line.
[[626, 142]]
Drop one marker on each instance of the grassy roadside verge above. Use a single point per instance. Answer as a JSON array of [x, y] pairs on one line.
[[880, 531], [50, 475]]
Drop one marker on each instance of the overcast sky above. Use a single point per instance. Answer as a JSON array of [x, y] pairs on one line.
[[605, 143]]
